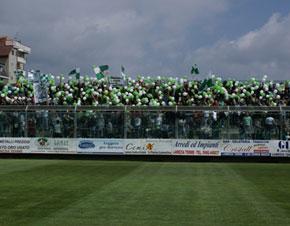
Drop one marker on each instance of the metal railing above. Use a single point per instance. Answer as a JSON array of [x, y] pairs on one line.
[[182, 122]]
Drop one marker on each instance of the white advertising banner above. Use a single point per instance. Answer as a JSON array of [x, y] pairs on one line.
[[246, 148], [14, 145], [280, 148], [53, 145], [147, 147], [100, 146], [196, 147], [273, 148]]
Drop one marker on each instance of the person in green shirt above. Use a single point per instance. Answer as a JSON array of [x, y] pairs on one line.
[[247, 126]]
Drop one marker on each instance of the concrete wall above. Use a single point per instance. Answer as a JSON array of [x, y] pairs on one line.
[[12, 66]]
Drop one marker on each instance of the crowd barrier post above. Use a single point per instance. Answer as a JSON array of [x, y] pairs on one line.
[[26, 122], [75, 122], [125, 123]]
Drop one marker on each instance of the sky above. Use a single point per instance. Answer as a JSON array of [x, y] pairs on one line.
[[230, 38]]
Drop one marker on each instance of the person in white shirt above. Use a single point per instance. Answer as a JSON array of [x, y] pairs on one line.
[[269, 126]]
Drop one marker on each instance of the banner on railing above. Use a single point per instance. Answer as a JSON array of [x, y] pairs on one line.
[[14, 145], [100, 146], [196, 147], [44, 145], [246, 148], [53, 145], [281, 148], [147, 147]]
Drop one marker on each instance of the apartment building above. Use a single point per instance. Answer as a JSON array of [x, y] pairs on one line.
[[12, 58]]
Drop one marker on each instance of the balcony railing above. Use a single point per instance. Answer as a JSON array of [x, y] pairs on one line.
[[258, 123]]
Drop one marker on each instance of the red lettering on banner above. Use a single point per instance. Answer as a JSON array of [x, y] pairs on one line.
[[228, 148], [179, 152], [16, 151], [261, 151]]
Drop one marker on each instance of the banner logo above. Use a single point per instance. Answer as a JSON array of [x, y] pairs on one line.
[[150, 146], [86, 144], [42, 142], [284, 145]]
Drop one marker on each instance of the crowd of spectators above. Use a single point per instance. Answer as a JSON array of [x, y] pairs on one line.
[[160, 91], [149, 92], [260, 125]]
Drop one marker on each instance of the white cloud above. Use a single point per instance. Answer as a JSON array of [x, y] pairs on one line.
[[149, 37], [262, 51]]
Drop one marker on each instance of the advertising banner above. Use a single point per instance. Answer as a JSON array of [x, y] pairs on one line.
[[14, 145], [245, 148], [280, 148], [147, 147], [273, 148], [196, 147], [100, 146], [53, 145]]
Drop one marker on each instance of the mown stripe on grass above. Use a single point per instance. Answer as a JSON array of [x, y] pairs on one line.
[[176, 194], [28, 195]]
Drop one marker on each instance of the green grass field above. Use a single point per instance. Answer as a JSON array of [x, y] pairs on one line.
[[62, 192]]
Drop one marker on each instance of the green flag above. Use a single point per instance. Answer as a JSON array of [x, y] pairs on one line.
[[207, 82], [75, 72], [123, 72], [44, 78], [101, 71], [194, 69], [203, 85]]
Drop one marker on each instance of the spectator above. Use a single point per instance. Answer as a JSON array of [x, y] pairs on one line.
[[57, 129], [270, 125], [247, 126]]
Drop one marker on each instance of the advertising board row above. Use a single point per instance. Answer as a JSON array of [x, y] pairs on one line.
[[146, 147]]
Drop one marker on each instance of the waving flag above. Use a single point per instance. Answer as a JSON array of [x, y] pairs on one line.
[[101, 71], [194, 69], [76, 72], [123, 72], [207, 82]]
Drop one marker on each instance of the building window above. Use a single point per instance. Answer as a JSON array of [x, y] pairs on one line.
[[12, 52]]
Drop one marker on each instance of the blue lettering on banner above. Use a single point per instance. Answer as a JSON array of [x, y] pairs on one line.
[[86, 144], [284, 145], [245, 154], [265, 154], [227, 154]]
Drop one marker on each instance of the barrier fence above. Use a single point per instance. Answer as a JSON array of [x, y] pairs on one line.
[[181, 147], [129, 122]]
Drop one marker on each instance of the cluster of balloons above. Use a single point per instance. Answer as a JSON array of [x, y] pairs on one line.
[[159, 91]]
